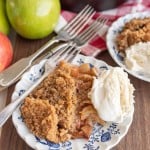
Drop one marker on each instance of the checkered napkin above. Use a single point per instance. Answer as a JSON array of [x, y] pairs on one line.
[[98, 44]]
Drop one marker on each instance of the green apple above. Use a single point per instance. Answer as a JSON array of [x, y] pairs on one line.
[[4, 25], [33, 19]]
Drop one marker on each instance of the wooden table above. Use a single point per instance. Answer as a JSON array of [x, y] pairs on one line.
[[138, 137]]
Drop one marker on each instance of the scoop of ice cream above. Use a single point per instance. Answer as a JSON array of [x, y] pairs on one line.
[[138, 57], [112, 95]]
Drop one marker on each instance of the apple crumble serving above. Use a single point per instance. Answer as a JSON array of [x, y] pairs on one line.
[[59, 109], [135, 31]]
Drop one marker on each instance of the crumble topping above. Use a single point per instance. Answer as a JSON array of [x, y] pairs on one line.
[[59, 108], [135, 31]]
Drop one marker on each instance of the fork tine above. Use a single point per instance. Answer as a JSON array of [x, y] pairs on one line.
[[79, 23], [73, 54], [77, 17], [81, 19], [66, 53], [92, 30], [58, 53], [98, 22], [84, 20], [70, 52]]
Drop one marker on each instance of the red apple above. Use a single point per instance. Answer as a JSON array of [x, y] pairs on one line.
[[6, 52]]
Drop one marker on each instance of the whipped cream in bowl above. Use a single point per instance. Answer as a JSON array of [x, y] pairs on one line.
[[112, 95], [138, 57]]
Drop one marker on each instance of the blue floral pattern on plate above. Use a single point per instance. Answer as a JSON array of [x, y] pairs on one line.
[[102, 137], [112, 33]]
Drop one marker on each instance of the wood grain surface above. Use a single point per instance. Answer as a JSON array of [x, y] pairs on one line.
[[138, 136]]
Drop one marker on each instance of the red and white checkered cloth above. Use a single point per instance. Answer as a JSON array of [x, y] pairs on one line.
[[98, 44]]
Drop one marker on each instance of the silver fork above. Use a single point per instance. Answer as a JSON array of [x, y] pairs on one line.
[[90, 32], [70, 31], [80, 39], [68, 54]]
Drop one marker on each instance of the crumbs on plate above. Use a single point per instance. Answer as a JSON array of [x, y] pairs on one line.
[[59, 109]]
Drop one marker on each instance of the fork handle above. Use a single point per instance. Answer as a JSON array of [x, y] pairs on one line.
[[9, 109], [11, 74]]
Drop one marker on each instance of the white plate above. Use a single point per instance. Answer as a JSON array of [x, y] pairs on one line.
[[102, 137], [112, 33]]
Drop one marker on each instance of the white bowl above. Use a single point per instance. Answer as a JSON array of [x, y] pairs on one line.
[[112, 33]]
